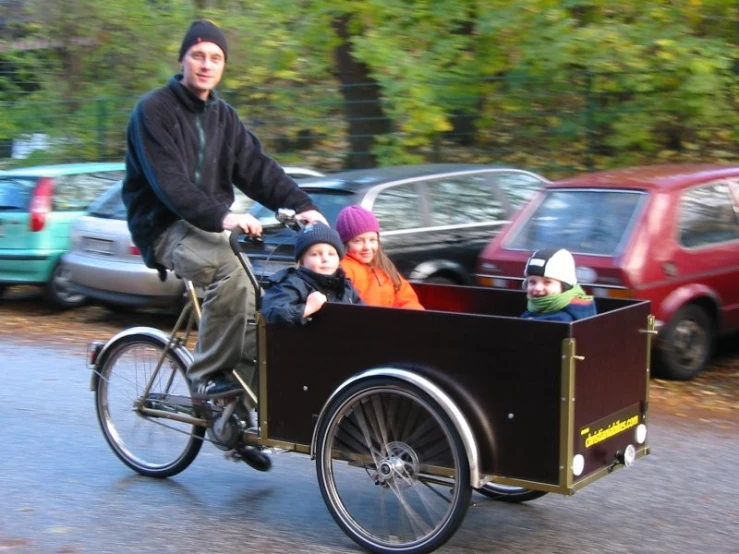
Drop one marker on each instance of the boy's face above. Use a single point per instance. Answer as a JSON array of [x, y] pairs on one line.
[[364, 247], [321, 258], [542, 286]]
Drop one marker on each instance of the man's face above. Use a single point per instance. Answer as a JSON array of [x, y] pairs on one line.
[[202, 68]]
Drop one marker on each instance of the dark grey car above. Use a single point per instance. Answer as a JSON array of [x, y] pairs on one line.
[[435, 218]]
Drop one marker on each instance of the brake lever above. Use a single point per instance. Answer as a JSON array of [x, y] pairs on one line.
[[288, 218]]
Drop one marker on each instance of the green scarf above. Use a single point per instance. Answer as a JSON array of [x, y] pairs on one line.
[[556, 302]]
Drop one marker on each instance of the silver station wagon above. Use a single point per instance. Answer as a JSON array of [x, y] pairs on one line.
[[105, 265]]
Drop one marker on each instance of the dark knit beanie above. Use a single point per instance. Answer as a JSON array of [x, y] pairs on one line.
[[203, 31], [317, 233]]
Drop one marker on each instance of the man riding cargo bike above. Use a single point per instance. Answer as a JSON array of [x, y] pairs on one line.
[[187, 148]]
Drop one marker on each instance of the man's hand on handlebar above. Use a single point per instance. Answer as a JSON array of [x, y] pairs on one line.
[[246, 222], [311, 216]]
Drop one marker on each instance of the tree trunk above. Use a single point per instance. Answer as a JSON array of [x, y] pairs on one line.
[[365, 116], [464, 121]]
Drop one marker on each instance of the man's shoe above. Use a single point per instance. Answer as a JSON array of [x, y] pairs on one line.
[[219, 387], [254, 457]]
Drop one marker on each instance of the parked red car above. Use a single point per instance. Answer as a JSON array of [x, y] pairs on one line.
[[666, 233]]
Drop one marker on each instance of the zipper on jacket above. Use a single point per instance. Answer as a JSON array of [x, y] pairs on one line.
[[377, 276], [201, 147]]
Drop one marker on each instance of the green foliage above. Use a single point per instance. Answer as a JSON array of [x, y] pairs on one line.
[[592, 82]]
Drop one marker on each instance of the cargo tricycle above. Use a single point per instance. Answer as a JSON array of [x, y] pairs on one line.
[[405, 412]]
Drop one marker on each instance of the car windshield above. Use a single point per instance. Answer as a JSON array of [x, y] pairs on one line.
[[583, 221], [109, 205], [15, 193], [330, 203]]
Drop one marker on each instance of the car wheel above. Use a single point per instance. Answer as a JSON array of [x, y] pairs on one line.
[[2, 290], [687, 344], [59, 291]]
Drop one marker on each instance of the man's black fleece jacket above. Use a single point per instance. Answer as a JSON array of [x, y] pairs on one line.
[[184, 155]]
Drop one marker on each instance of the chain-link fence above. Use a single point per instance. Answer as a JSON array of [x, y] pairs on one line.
[[558, 125]]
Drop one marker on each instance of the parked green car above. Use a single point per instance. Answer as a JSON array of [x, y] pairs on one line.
[[37, 207]]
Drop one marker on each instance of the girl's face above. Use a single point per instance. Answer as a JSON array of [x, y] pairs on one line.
[[321, 258], [542, 286], [363, 247]]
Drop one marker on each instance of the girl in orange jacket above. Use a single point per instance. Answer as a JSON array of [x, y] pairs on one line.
[[371, 272]]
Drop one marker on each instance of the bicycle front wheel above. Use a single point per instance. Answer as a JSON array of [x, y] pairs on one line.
[[153, 446], [392, 468]]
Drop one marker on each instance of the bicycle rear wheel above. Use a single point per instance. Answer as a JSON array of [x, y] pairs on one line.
[[152, 446], [392, 468]]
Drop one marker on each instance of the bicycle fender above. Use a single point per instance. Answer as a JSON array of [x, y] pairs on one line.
[[435, 392], [178, 349]]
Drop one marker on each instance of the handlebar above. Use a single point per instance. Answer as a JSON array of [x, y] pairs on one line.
[[286, 218], [289, 219]]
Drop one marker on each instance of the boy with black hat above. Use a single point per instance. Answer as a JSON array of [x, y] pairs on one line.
[[186, 150], [296, 293], [552, 290]]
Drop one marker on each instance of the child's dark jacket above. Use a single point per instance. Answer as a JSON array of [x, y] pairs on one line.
[[284, 300], [577, 309]]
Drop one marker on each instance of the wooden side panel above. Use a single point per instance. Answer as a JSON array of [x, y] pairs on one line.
[[610, 383], [505, 373]]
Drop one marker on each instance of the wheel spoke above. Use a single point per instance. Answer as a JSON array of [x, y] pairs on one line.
[[363, 421]]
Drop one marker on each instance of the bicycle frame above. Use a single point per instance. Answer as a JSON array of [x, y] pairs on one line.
[[180, 335]]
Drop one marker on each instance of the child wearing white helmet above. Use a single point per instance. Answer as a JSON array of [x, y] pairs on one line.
[[552, 290]]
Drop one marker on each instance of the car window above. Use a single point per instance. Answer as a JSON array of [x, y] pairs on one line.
[[583, 221], [329, 203], [465, 199], [242, 203], [399, 207], [735, 191], [707, 216], [77, 192], [109, 205], [15, 193], [518, 187]]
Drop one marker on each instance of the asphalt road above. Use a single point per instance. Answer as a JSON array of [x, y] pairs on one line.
[[63, 491]]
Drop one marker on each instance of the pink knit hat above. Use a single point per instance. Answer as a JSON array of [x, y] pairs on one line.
[[355, 220]]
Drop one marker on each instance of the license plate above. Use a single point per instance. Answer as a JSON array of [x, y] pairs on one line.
[[98, 246]]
